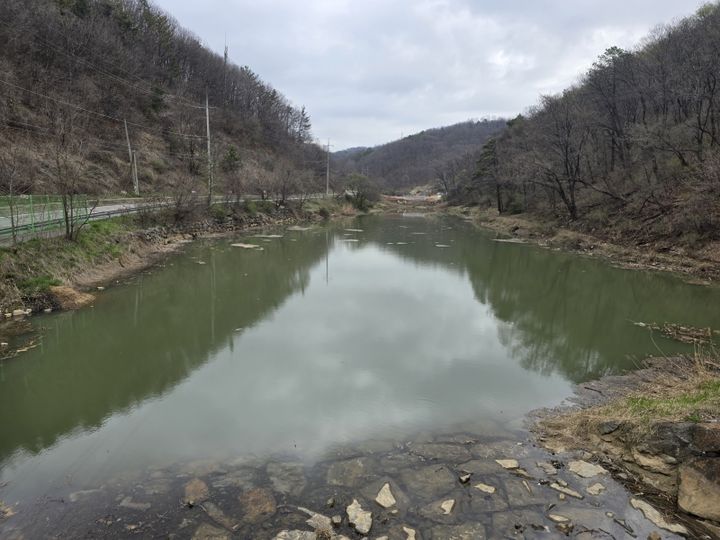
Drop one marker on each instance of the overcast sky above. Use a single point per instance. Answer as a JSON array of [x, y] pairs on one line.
[[371, 70]]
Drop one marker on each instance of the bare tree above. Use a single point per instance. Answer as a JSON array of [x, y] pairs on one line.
[[12, 183], [69, 170]]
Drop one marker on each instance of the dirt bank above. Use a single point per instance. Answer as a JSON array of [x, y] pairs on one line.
[[657, 429], [697, 264]]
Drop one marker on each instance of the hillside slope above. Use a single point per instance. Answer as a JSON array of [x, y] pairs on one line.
[[630, 153], [426, 157], [73, 71]]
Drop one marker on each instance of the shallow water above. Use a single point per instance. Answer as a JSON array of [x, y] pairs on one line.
[[377, 329]]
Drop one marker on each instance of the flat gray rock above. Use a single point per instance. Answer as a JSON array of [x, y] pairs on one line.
[[287, 478], [429, 482], [351, 472], [467, 531], [452, 453]]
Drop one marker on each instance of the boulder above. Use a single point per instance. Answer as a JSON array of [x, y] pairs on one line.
[[706, 438], [669, 438], [699, 490]]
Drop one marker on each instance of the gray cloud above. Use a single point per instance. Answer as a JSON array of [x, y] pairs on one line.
[[369, 71]]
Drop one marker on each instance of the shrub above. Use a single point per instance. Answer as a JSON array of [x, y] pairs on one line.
[[37, 284]]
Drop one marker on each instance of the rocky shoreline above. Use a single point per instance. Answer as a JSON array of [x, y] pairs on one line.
[[675, 463], [457, 486]]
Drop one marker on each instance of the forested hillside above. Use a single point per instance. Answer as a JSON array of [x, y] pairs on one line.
[[440, 155], [73, 71], [632, 151]]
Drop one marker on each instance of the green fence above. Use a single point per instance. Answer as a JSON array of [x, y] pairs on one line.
[[38, 214]]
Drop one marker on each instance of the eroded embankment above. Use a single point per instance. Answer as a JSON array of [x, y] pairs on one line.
[[699, 263], [657, 429]]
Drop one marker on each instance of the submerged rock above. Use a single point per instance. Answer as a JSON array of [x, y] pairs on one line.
[[467, 531], [546, 467], [287, 478], [5, 511], [485, 488], [295, 535], [358, 518], [447, 506], [653, 515], [465, 478], [317, 521], [409, 532], [566, 490], [219, 516], [350, 472], [429, 482], [508, 463], [196, 491], [258, 504], [208, 532], [585, 469], [128, 502], [453, 453]]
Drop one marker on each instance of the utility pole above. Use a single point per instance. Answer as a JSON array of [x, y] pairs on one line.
[[136, 182], [210, 163], [133, 162], [225, 63], [327, 175]]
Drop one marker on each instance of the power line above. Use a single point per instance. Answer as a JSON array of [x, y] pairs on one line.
[[106, 73], [100, 115], [98, 142]]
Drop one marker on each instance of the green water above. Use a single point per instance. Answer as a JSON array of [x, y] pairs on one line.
[[318, 340]]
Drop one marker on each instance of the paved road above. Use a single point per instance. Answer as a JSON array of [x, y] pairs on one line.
[[55, 213], [52, 219]]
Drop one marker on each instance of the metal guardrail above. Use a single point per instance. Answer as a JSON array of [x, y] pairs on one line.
[[38, 227], [50, 224]]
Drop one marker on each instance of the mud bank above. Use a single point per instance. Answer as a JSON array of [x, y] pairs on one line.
[[657, 430]]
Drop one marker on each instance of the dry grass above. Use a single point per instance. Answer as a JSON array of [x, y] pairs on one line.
[[686, 389]]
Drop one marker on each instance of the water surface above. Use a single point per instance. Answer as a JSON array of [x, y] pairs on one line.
[[323, 337]]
